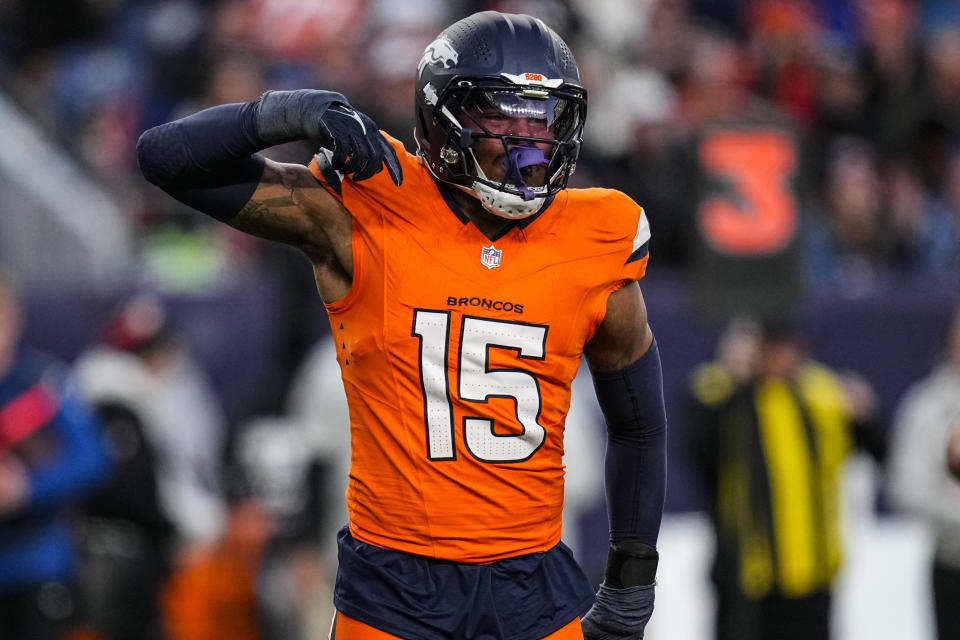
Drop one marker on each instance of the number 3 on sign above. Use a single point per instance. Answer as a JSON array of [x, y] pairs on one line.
[[477, 383], [760, 217]]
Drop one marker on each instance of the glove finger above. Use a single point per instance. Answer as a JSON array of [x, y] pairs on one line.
[[329, 135], [350, 164], [363, 169], [371, 148], [363, 160], [342, 129], [339, 159], [370, 169], [391, 162], [353, 155], [368, 160]]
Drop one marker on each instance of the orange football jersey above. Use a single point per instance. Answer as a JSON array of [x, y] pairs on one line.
[[457, 354]]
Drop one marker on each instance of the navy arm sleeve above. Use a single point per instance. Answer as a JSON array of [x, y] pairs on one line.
[[207, 160], [636, 458]]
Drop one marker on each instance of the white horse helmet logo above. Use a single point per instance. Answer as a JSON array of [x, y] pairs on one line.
[[440, 50]]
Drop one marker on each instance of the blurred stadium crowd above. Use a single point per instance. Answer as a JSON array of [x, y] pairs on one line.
[[866, 91], [871, 89]]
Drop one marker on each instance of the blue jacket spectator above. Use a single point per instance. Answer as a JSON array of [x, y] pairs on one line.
[[51, 453]]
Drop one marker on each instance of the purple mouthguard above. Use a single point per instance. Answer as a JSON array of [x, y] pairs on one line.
[[520, 158]]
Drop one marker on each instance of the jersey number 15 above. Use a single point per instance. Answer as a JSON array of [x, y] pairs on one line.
[[478, 383]]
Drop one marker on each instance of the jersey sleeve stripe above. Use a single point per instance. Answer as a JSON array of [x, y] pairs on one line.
[[639, 254], [643, 234]]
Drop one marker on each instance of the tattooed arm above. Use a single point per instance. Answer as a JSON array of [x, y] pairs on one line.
[[209, 161], [291, 207]]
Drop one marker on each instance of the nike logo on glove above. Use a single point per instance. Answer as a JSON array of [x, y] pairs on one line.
[[359, 153], [347, 111]]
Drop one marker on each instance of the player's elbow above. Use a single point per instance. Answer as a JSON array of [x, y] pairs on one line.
[[161, 155], [632, 400], [637, 433]]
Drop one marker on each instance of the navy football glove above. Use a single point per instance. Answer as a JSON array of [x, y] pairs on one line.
[[619, 613], [625, 599], [358, 147]]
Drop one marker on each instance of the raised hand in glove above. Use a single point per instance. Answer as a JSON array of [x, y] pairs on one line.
[[359, 149]]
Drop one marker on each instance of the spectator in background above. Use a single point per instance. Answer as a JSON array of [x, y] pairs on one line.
[[128, 534], [737, 352], [51, 454], [953, 451], [925, 236], [393, 38], [318, 404], [849, 242], [288, 478], [213, 596], [943, 63], [143, 365], [783, 39], [638, 150], [769, 430], [919, 479], [712, 88], [94, 74], [839, 100], [947, 208], [664, 45], [891, 61]]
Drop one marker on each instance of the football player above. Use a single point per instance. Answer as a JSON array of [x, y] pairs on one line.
[[463, 285]]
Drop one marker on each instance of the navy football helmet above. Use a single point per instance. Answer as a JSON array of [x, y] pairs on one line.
[[500, 68]]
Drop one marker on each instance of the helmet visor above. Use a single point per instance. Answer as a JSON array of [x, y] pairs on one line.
[[510, 113]]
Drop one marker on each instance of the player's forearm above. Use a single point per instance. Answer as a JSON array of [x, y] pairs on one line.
[[209, 159], [190, 151], [193, 148], [635, 465], [632, 403], [206, 160]]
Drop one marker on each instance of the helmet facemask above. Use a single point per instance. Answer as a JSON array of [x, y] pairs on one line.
[[535, 133]]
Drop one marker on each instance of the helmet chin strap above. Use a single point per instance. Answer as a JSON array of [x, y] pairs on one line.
[[519, 158]]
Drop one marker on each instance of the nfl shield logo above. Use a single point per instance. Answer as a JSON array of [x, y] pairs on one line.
[[490, 257]]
